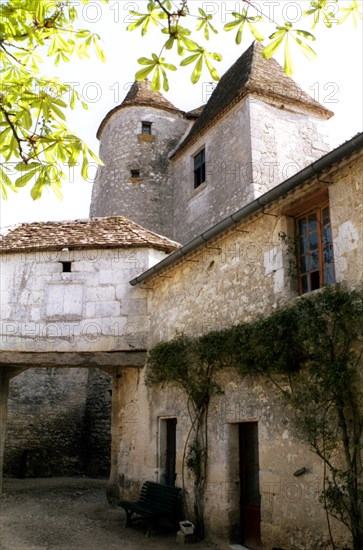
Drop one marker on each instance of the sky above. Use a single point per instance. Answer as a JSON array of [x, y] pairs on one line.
[[334, 79]]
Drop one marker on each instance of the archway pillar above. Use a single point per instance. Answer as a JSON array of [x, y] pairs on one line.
[[4, 394]]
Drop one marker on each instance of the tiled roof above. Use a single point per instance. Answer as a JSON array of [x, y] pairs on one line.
[[141, 94], [109, 232], [251, 74], [195, 113]]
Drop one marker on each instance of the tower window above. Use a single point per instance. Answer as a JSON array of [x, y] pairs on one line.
[[66, 267], [199, 168], [146, 128], [135, 174]]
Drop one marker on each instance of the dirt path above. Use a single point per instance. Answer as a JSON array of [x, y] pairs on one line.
[[70, 514]]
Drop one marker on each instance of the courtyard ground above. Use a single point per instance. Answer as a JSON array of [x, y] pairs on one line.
[[71, 514]]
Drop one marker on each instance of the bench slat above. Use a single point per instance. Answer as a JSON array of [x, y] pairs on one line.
[[155, 501]]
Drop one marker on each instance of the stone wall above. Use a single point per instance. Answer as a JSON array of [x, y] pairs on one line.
[[254, 147], [283, 142], [97, 424], [238, 276], [59, 418], [93, 308], [58, 423], [147, 200]]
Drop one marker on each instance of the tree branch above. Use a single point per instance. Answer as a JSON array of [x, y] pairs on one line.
[[15, 134]]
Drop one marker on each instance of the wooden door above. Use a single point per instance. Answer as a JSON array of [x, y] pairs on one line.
[[249, 483], [170, 474]]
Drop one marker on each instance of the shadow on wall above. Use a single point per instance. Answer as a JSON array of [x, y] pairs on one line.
[[59, 423]]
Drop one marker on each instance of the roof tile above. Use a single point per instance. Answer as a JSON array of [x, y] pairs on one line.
[[251, 73], [141, 94], [110, 232]]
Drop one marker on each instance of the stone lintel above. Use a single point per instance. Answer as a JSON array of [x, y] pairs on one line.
[[18, 359]]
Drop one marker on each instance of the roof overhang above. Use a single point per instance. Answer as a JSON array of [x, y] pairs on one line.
[[314, 169]]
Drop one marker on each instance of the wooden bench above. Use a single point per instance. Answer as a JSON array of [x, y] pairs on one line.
[[155, 501]]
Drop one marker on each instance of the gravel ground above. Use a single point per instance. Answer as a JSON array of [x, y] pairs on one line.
[[71, 514]]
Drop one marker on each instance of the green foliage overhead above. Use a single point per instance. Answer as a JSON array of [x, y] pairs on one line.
[[35, 142], [36, 145], [182, 22]]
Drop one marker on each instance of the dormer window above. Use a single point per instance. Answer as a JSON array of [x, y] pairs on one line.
[[146, 128], [199, 168]]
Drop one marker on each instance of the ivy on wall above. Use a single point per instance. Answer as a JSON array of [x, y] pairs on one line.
[[190, 365], [311, 352]]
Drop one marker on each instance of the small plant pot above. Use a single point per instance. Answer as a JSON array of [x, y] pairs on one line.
[[187, 527]]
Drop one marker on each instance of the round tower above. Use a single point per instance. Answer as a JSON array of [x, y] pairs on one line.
[[136, 138]]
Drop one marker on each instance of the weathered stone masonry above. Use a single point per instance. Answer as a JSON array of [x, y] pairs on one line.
[[59, 417], [257, 130], [237, 276]]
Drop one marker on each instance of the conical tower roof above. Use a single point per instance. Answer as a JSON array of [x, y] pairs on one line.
[[141, 94], [252, 74]]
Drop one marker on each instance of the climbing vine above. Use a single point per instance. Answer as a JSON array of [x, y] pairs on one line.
[[310, 351], [290, 249], [191, 364]]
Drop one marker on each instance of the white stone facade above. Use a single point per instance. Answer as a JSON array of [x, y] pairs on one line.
[[92, 308]]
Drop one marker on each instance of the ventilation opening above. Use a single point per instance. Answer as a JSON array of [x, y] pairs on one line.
[[66, 267], [146, 128], [135, 174]]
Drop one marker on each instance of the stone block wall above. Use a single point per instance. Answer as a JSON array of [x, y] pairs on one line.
[[253, 148], [240, 275], [58, 423], [59, 418], [93, 308], [146, 200]]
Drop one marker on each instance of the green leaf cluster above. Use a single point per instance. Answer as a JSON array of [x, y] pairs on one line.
[[287, 35], [35, 143], [167, 17], [321, 10], [179, 37], [241, 19], [186, 363], [158, 67]]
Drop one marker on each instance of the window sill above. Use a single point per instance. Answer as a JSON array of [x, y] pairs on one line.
[[146, 137], [198, 189]]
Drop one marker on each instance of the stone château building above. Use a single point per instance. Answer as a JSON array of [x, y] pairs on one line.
[[257, 129], [224, 180]]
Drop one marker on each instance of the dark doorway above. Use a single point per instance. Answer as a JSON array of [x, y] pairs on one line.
[[168, 450], [250, 506]]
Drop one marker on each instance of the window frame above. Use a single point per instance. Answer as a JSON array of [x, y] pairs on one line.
[[135, 174], [199, 168], [66, 266], [320, 265], [146, 125]]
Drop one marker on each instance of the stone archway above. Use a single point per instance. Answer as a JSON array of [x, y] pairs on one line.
[[14, 363]]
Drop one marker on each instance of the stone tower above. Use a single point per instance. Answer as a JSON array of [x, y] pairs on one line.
[[181, 173], [136, 138]]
